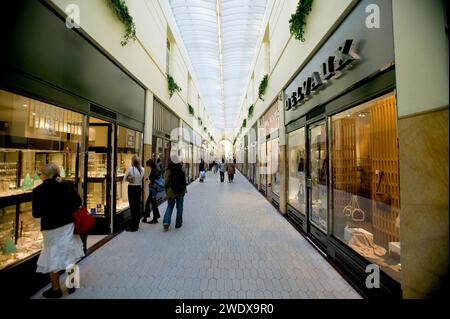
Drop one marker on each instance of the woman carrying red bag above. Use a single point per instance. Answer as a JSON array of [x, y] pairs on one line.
[[55, 201]]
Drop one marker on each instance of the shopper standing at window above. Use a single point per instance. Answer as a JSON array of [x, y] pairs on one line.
[[175, 184], [151, 199], [54, 201], [134, 177]]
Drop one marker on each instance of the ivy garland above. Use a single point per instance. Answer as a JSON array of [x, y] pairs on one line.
[[172, 85], [244, 123], [191, 109], [200, 120], [263, 86], [297, 23], [122, 13], [250, 111]]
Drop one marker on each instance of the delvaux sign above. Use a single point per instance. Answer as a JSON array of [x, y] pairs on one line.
[[332, 68]]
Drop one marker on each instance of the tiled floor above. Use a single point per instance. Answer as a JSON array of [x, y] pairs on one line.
[[233, 244]]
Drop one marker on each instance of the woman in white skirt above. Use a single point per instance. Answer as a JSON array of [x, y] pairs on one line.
[[54, 201]]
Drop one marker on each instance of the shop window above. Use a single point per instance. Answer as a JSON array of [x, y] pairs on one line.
[[297, 167], [275, 171], [32, 134], [365, 182], [263, 164], [129, 143], [318, 163]]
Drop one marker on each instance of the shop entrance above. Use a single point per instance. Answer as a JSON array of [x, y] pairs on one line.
[[317, 179], [98, 194]]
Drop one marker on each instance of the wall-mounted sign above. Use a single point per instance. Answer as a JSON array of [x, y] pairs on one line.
[[350, 54], [332, 68], [130, 139]]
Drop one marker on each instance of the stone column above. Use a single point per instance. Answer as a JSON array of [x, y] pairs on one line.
[[147, 153], [424, 226]]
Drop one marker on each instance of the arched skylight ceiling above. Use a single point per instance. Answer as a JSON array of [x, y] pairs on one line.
[[220, 37]]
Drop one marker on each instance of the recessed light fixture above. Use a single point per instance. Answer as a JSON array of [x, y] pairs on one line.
[[25, 105], [33, 114]]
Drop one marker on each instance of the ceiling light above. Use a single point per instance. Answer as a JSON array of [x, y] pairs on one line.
[[25, 105]]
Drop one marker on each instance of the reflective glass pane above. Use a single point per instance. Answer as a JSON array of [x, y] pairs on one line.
[[318, 167], [297, 165], [365, 181]]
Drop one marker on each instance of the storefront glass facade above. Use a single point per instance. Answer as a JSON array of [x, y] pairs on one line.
[[297, 170], [318, 163], [32, 134], [365, 182], [129, 143]]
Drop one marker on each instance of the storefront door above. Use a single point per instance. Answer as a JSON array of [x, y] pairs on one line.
[[98, 170], [317, 181]]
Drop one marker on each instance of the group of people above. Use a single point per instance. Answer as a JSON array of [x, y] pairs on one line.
[[174, 184], [61, 247], [223, 167]]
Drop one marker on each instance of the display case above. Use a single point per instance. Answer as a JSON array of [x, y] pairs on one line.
[[96, 193], [365, 182], [20, 235], [32, 134], [123, 159]]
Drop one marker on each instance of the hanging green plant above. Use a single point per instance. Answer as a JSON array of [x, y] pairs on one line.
[[263, 86], [244, 123], [172, 85], [204, 129], [250, 111], [297, 23], [191, 109], [121, 10]]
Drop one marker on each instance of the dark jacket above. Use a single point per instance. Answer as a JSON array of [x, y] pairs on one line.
[[173, 169], [152, 177], [201, 167], [55, 202]]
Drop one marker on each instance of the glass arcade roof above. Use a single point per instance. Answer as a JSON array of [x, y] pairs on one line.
[[220, 37]]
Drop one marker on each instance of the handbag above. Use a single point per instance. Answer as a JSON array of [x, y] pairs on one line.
[[159, 183], [203, 174], [383, 200], [83, 221]]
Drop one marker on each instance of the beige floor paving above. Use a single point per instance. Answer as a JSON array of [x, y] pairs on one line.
[[233, 244]]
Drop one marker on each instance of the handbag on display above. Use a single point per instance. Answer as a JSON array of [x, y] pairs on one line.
[[83, 221], [353, 210]]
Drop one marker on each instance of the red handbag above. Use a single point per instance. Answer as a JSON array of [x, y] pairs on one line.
[[83, 221]]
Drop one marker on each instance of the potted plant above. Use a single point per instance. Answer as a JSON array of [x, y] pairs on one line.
[[297, 23]]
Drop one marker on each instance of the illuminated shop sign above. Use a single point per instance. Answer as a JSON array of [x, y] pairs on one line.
[[332, 68]]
